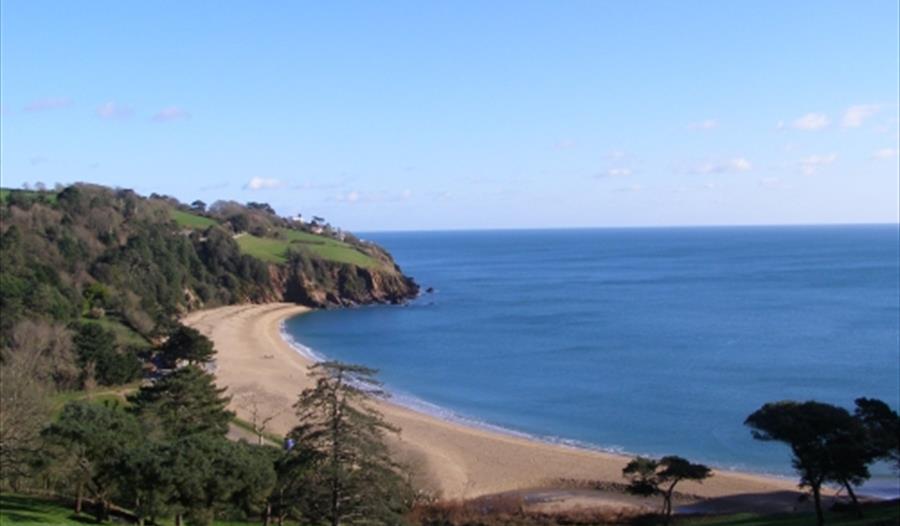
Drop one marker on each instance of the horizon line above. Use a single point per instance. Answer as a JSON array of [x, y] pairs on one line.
[[629, 227]]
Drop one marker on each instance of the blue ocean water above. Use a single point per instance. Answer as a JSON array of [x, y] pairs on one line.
[[652, 341]]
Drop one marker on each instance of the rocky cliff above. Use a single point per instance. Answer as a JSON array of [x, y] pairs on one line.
[[325, 284]]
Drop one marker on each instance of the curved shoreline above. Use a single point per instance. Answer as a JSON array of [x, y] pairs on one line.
[[458, 460], [418, 405]]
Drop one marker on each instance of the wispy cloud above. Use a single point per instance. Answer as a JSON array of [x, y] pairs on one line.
[[318, 185], [263, 183], [171, 113], [856, 115], [707, 124], [37, 159], [113, 110], [809, 122], [49, 103], [733, 165], [615, 155], [357, 197], [810, 165], [615, 172], [884, 153], [630, 189]]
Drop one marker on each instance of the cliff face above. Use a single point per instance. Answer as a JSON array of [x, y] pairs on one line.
[[324, 284]]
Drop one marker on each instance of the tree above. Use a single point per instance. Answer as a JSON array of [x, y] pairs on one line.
[[188, 344], [182, 403], [97, 352], [349, 476], [95, 437], [823, 440], [145, 480], [198, 206], [239, 222], [23, 413], [253, 467], [883, 428], [648, 477]]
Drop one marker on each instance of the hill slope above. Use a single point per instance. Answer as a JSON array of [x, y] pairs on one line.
[[135, 263]]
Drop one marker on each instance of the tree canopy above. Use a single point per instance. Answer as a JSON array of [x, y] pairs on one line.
[[184, 402], [648, 477], [340, 439]]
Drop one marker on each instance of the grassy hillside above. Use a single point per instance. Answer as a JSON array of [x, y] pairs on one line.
[[275, 250], [189, 220], [274, 246], [23, 510]]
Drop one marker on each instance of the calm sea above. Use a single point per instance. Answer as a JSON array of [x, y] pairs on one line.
[[652, 341]]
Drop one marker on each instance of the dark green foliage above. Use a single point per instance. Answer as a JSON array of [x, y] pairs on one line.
[[187, 344], [239, 223], [100, 251], [145, 480], [30, 285], [341, 456], [883, 428], [93, 439], [648, 477], [827, 443], [98, 355], [183, 403]]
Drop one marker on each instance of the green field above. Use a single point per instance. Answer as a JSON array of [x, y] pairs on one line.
[[112, 395], [19, 509], [275, 250], [27, 511], [189, 220], [23, 510], [875, 515]]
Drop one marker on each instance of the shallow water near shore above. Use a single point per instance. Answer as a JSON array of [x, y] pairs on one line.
[[652, 341]]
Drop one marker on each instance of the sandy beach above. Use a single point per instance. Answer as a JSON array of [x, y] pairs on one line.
[[456, 460]]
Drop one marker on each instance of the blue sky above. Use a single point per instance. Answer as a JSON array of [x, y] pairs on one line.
[[446, 114]]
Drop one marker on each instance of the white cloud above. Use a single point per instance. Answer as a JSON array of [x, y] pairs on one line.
[[811, 164], [856, 115], [811, 121], [707, 124], [354, 197], [263, 183], [49, 103], [734, 165], [740, 164], [884, 153], [616, 172], [113, 110], [171, 113]]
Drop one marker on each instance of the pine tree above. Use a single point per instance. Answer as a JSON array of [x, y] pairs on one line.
[[187, 344], [184, 402], [350, 476]]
